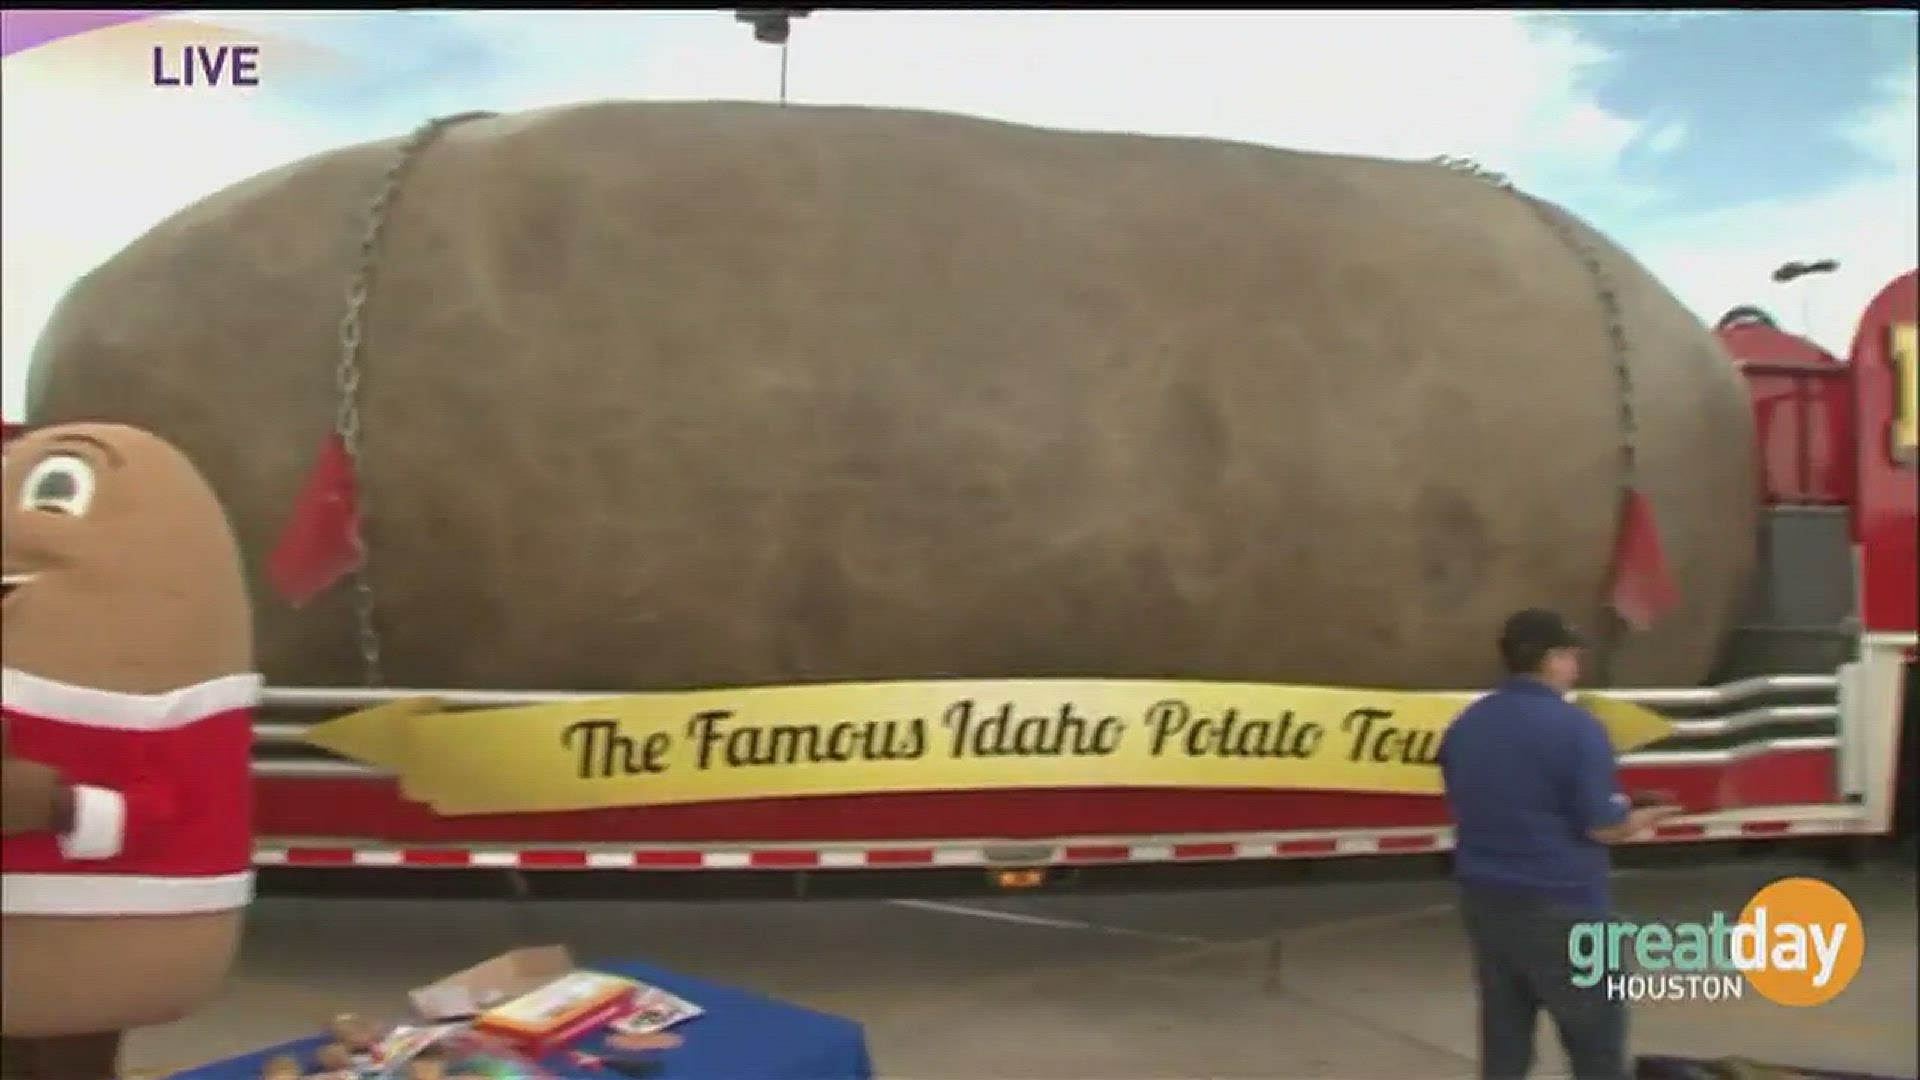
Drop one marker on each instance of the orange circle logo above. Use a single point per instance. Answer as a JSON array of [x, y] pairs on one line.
[[1799, 942]]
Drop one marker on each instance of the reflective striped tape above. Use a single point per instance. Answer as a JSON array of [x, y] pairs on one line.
[[934, 856]]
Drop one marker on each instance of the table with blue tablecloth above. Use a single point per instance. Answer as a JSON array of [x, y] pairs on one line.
[[742, 1036]]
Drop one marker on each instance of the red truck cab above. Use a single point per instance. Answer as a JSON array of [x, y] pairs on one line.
[[1839, 437], [1802, 408], [1887, 367], [1842, 434]]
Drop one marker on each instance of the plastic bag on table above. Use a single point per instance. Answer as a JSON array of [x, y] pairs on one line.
[[483, 1057]]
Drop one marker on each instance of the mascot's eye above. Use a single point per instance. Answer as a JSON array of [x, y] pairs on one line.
[[62, 484]]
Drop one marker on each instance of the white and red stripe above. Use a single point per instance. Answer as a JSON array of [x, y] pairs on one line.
[[339, 855], [163, 787]]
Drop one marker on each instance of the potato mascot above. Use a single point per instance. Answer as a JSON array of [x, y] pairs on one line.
[[129, 695]]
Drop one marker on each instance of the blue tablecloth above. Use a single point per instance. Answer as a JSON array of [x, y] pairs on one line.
[[743, 1036]]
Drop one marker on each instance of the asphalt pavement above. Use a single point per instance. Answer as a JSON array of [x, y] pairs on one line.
[[1346, 981]]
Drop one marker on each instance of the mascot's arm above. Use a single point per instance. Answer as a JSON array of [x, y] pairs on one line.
[[101, 823]]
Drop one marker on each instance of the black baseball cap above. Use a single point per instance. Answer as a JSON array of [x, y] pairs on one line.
[[1537, 631]]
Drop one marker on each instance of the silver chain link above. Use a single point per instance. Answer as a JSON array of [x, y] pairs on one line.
[[1621, 352], [349, 372]]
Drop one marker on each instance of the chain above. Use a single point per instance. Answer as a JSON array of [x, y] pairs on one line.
[[348, 373], [1609, 299]]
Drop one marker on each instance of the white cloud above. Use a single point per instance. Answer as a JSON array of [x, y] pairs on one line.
[[1486, 85], [1392, 84], [1888, 134], [1872, 226], [1665, 139], [92, 155]]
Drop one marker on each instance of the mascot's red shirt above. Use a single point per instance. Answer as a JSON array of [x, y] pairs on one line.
[[163, 807]]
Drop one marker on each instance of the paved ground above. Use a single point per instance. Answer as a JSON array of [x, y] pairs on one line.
[[1370, 980]]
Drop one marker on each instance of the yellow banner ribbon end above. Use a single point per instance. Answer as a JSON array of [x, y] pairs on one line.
[[375, 736], [1629, 726]]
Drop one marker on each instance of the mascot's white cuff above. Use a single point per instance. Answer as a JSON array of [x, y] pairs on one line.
[[99, 824]]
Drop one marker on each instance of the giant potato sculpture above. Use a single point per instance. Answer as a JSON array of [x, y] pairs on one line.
[[662, 395]]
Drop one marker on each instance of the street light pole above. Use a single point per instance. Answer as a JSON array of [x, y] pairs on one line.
[[773, 26], [1788, 273]]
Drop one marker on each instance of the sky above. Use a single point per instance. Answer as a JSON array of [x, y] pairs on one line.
[[1713, 145]]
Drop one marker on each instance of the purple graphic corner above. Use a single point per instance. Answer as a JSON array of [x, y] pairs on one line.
[[22, 29]]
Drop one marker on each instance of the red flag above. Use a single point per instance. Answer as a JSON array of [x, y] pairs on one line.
[[1643, 589], [321, 543]]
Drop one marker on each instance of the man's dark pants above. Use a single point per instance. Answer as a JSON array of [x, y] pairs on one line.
[[1520, 962]]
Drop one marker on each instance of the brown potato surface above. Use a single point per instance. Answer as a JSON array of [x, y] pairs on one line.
[[694, 394]]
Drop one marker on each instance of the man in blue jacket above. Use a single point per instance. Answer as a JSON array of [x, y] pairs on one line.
[[1535, 800]]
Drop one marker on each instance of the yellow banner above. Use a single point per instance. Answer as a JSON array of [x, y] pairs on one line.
[[870, 738], [1904, 353]]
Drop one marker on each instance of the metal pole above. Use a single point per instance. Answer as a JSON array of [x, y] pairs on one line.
[[773, 26], [1792, 272]]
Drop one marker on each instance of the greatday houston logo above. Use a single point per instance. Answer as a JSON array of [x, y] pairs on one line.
[[1799, 942], [158, 50]]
